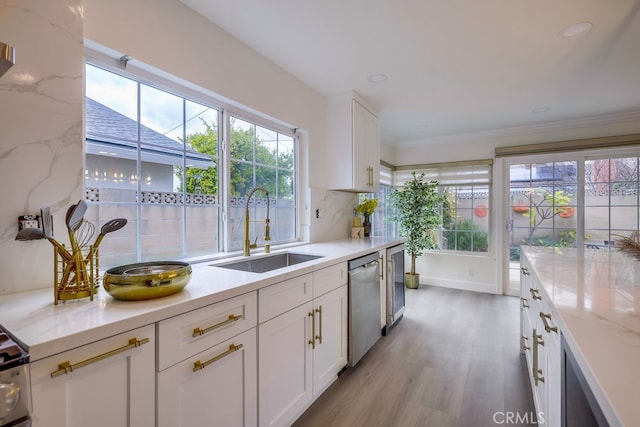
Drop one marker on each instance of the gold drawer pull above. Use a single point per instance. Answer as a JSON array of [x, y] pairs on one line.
[[525, 271], [525, 303], [319, 336], [535, 294], [232, 318], [546, 317], [536, 372], [198, 366], [67, 367], [524, 343], [312, 341]]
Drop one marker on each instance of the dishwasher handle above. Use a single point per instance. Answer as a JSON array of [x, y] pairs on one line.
[[364, 267]]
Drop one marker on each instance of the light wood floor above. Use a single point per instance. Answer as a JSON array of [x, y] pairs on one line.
[[453, 360]]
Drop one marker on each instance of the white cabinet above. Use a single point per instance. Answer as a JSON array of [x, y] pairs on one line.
[[303, 346], [217, 384], [540, 342], [284, 366], [353, 144], [330, 353], [207, 362], [107, 383]]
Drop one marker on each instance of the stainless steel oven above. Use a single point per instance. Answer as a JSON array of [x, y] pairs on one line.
[[395, 286], [15, 391]]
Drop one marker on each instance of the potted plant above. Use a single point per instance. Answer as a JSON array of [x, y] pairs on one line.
[[417, 210], [366, 208]]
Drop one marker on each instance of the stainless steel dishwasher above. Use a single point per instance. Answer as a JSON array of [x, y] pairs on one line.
[[364, 306]]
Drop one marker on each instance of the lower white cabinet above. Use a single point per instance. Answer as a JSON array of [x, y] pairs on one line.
[[540, 342], [284, 380], [107, 383], [207, 365], [214, 387], [330, 353], [302, 350]]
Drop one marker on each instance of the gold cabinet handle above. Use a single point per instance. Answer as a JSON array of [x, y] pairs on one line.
[[524, 343], [319, 336], [67, 367], [525, 303], [198, 366], [537, 340], [535, 294], [312, 341], [525, 271], [546, 317], [232, 318]]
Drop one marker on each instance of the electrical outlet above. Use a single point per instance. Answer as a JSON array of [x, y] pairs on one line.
[[28, 221]]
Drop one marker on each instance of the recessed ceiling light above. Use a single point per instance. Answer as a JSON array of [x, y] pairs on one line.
[[540, 110], [576, 29], [377, 78]]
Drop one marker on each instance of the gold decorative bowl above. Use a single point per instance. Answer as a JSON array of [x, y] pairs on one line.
[[146, 280]]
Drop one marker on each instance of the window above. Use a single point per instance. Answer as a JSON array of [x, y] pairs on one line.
[[611, 200], [465, 188], [543, 199], [263, 158], [154, 157]]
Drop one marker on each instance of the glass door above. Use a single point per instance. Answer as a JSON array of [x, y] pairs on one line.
[[542, 201]]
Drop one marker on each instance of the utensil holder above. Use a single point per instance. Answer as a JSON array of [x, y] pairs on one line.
[[75, 276]]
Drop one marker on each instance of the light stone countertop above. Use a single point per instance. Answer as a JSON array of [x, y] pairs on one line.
[[46, 329], [597, 308]]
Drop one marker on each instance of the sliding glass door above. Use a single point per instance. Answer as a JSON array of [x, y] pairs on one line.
[[584, 199]]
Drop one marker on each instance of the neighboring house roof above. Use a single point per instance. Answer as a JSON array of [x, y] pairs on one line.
[[106, 127]]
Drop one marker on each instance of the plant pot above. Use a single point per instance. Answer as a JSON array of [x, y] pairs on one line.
[[411, 281]]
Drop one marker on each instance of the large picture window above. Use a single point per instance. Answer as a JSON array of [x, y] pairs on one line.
[[152, 156]]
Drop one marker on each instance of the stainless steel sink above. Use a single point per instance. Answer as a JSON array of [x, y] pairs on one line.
[[268, 262]]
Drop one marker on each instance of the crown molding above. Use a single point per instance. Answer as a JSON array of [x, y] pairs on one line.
[[560, 125]]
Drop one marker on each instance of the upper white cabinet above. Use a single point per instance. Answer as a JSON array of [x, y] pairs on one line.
[[353, 144]]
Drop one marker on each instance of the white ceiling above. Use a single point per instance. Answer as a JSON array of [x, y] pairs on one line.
[[453, 66]]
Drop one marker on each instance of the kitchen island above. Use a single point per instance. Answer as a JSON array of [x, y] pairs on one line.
[[595, 305], [151, 348]]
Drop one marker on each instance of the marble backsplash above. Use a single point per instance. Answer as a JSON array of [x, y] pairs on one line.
[[41, 135]]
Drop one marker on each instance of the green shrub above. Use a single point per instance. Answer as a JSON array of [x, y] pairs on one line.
[[467, 236]]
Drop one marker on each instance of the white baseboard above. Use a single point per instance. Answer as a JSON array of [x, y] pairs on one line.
[[487, 288]]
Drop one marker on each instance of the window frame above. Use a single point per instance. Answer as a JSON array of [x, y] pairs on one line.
[[150, 76]]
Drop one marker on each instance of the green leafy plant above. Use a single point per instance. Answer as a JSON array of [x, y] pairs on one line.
[[416, 208], [467, 236], [367, 207]]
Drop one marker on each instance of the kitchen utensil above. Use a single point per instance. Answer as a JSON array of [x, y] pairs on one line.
[[73, 217], [36, 233], [108, 227], [77, 214], [83, 233]]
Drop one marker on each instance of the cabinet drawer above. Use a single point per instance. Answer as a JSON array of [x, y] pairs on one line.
[[329, 278], [183, 336], [276, 299], [216, 387]]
